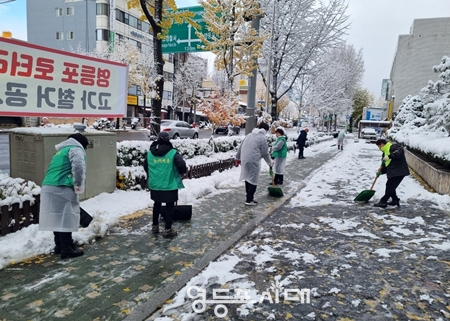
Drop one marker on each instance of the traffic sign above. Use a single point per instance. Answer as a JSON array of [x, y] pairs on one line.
[[182, 37]]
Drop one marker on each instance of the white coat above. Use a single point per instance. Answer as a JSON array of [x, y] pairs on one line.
[[253, 148], [340, 138], [60, 207]]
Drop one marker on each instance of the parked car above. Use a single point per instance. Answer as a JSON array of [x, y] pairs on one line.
[[224, 128], [177, 129], [369, 133]]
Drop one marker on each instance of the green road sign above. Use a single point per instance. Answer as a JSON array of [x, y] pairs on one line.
[[182, 37]]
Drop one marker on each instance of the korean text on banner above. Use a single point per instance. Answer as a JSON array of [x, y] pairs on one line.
[[40, 81]]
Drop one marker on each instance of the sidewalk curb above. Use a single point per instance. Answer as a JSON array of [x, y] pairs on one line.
[[145, 310]]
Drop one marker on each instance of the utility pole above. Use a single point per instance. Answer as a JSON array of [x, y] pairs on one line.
[[251, 94]]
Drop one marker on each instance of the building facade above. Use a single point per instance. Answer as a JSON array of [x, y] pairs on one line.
[[88, 25], [416, 54]]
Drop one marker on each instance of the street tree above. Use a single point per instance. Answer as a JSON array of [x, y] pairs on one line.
[[362, 98], [161, 14], [221, 109], [235, 43], [188, 79], [334, 87], [301, 30]]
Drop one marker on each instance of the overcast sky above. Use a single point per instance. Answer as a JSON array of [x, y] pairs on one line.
[[375, 27]]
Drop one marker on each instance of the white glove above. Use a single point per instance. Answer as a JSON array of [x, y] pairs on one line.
[[386, 158], [272, 163], [79, 189]]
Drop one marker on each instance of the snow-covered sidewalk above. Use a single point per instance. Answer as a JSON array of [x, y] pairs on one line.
[[324, 243]]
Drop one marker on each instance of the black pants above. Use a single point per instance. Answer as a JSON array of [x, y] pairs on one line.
[[391, 185], [169, 214], [278, 179], [250, 189], [63, 240], [300, 150]]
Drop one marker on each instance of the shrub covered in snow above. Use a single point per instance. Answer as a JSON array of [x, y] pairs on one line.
[[130, 178], [16, 190], [131, 153], [423, 120]]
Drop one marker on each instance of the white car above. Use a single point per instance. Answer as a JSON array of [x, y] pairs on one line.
[[369, 133], [177, 129]]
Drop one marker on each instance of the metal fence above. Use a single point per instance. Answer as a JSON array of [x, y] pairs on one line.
[[15, 218], [202, 170]]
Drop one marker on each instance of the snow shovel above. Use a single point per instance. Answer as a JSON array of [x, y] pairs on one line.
[[274, 190], [367, 194]]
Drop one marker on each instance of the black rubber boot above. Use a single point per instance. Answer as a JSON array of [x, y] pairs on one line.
[[57, 249], [394, 203], [67, 248], [380, 204]]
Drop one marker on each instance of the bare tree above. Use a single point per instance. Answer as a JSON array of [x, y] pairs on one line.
[[302, 31], [188, 79], [333, 89]]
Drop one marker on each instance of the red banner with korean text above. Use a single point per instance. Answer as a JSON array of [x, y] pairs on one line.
[[40, 81]]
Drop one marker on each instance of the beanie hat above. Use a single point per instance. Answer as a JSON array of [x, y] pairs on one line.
[[163, 136], [81, 139]]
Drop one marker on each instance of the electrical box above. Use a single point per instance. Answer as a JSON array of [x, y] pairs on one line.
[[32, 149]]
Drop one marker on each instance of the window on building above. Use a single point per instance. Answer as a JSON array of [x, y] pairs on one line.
[[70, 11], [132, 41], [170, 76], [171, 58], [120, 15], [145, 27], [102, 35], [59, 35], [102, 9], [126, 18], [167, 95], [69, 35], [59, 12], [119, 37], [133, 21]]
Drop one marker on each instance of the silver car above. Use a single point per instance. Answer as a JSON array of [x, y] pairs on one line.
[[178, 129]]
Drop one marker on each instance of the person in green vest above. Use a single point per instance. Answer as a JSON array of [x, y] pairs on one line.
[[164, 167], [279, 154], [63, 182]]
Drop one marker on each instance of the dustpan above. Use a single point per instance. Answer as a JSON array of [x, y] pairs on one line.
[[274, 191], [367, 194]]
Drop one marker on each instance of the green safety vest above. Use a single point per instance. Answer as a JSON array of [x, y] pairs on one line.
[[386, 150], [59, 172], [162, 172], [282, 153]]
